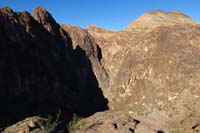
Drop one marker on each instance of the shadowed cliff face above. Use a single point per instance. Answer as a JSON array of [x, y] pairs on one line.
[[40, 73], [90, 93], [82, 39]]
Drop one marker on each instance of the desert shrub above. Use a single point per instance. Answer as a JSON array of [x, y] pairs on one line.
[[140, 113], [74, 124], [49, 125]]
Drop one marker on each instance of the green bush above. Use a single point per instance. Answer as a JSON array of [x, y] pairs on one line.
[[73, 124], [49, 125]]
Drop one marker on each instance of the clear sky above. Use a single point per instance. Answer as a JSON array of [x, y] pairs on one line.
[[109, 14]]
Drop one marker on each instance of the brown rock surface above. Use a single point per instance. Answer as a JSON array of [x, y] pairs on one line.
[[123, 122], [149, 72], [29, 125], [153, 65], [83, 40], [154, 19]]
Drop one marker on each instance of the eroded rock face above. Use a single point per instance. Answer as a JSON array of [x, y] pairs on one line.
[[149, 72], [88, 59], [153, 65], [39, 70], [81, 39]]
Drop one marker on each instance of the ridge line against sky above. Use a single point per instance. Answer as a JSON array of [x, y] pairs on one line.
[[108, 14]]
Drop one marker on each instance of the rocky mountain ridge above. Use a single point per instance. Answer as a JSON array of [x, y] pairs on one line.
[[157, 18], [40, 73], [149, 72]]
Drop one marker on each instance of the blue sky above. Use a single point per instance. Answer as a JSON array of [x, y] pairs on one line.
[[109, 14]]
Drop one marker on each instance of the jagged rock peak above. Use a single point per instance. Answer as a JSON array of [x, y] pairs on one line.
[[80, 36], [7, 11], [40, 8], [156, 18], [41, 15]]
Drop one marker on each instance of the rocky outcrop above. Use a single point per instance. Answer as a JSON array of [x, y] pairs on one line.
[[39, 71], [123, 122], [153, 66], [26, 126], [43, 17], [149, 72], [81, 39], [88, 59], [35, 66], [157, 18], [129, 122]]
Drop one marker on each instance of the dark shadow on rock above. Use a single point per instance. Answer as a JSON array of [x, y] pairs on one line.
[[39, 75], [99, 53], [91, 96]]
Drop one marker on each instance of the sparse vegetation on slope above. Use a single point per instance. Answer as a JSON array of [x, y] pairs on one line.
[[49, 125]]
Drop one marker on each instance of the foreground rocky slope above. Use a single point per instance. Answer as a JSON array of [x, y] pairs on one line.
[[149, 72]]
